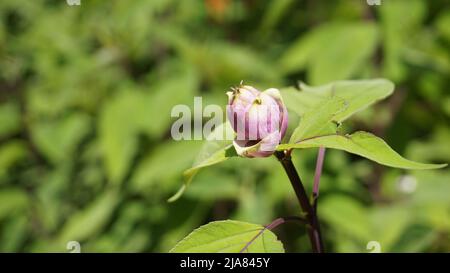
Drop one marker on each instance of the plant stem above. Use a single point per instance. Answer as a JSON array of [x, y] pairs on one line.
[[310, 213], [317, 175]]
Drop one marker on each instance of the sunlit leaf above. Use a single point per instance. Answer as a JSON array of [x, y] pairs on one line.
[[363, 144], [229, 237], [357, 94], [319, 121]]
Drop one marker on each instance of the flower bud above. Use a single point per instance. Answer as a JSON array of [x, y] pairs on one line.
[[258, 118]]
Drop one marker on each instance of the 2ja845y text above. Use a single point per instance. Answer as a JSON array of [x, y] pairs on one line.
[[228, 263]]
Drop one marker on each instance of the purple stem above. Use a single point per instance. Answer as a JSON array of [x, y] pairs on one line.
[[318, 173]]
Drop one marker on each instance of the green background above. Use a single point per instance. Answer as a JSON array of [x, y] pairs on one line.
[[86, 94]]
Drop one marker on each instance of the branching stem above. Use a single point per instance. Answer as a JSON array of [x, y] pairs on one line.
[[309, 211]]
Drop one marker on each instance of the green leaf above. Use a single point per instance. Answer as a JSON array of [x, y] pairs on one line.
[[357, 94], [11, 153], [134, 111], [212, 185], [397, 34], [117, 134], [229, 237], [416, 238], [9, 119], [152, 169], [347, 215], [300, 53], [59, 139], [389, 223], [220, 62], [442, 24], [352, 45], [214, 151], [14, 233], [14, 201], [319, 121], [274, 13], [364, 144], [218, 156], [164, 95], [91, 220]]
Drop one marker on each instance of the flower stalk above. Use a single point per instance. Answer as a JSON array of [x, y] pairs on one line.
[[310, 213]]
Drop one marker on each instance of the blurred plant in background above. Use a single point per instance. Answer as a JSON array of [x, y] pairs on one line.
[[85, 99]]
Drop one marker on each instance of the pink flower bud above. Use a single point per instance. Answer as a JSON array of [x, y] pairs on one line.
[[258, 118]]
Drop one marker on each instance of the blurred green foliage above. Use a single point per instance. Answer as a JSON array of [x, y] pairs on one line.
[[85, 99]]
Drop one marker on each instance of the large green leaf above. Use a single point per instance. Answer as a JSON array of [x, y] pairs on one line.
[[358, 95], [217, 148], [363, 144], [229, 237], [319, 121]]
